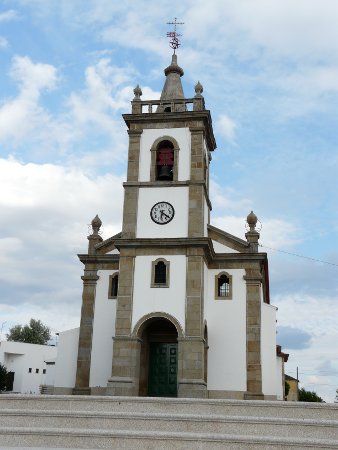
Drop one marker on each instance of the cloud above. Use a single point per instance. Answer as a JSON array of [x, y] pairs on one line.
[[45, 213], [226, 127], [3, 42], [8, 16], [293, 338], [21, 115]]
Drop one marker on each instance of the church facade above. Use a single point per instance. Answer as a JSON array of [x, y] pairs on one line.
[[173, 306]]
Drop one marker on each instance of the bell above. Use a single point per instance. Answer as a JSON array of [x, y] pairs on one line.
[[165, 173]]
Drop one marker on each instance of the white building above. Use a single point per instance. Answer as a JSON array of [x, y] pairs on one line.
[[29, 365], [173, 306]]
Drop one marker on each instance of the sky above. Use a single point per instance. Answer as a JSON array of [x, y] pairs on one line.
[[270, 75]]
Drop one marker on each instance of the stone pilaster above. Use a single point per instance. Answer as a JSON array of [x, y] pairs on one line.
[[253, 280], [126, 350], [89, 278], [191, 381], [133, 154], [130, 212], [196, 191]]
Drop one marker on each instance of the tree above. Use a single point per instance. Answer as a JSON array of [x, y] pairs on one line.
[[287, 388], [3, 377], [34, 333], [308, 396], [336, 399]]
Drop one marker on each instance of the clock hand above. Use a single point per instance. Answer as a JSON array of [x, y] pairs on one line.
[[166, 215]]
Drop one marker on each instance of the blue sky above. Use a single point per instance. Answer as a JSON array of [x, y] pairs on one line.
[[270, 77]]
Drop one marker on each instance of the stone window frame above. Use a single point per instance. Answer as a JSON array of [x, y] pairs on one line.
[[167, 265], [111, 278], [217, 277], [153, 150]]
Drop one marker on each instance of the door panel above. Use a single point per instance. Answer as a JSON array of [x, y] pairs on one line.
[[162, 370]]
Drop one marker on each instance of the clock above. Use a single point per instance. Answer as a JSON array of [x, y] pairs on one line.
[[162, 213]]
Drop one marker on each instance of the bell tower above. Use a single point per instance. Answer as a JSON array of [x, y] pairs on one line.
[[165, 218]]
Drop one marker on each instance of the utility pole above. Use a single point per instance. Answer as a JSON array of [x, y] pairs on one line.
[[2, 326]]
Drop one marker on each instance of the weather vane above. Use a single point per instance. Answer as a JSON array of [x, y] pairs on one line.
[[174, 41]]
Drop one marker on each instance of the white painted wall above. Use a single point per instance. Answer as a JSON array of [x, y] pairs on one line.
[[170, 300], [182, 136], [221, 248], [268, 349], [66, 361], [227, 334], [103, 332], [179, 199], [18, 357]]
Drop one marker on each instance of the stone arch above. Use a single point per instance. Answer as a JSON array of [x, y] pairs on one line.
[[145, 320], [153, 150]]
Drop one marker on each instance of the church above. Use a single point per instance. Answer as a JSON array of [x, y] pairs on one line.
[[172, 306]]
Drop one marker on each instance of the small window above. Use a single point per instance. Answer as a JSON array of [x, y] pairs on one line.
[[223, 286], [37, 370], [30, 370], [44, 371], [113, 285], [160, 273]]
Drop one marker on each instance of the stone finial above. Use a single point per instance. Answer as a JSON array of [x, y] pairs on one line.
[[198, 89], [137, 93], [96, 225], [252, 221], [252, 235]]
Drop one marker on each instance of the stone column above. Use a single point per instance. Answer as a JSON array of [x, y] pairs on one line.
[[86, 331], [253, 280], [89, 278], [191, 381], [126, 350]]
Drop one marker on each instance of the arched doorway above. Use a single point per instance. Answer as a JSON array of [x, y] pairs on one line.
[[158, 358]]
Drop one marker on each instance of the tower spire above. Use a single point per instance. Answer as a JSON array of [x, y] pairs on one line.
[[172, 89]]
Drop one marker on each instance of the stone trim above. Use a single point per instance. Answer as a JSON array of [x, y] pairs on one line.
[[227, 239], [167, 278], [226, 297], [153, 150], [111, 277], [144, 321], [182, 119]]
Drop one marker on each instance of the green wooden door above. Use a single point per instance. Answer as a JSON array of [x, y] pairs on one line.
[[162, 370]]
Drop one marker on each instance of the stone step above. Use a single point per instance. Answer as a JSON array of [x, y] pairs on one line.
[[151, 440], [297, 410], [223, 424]]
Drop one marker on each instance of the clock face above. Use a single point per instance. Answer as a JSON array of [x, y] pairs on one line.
[[162, 213]]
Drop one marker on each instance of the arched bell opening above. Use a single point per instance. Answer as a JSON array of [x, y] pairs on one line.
[[158, 358], [165, 158]]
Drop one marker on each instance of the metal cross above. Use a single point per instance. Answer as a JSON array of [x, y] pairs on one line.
[[174, 41]]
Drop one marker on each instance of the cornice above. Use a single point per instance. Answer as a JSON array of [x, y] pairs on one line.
[[183, 116], [98, 259]]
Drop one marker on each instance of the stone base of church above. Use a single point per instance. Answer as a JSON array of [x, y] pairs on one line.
[[82, 391], [233, 395], [192, 389], [121, 386], [253, 396]]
